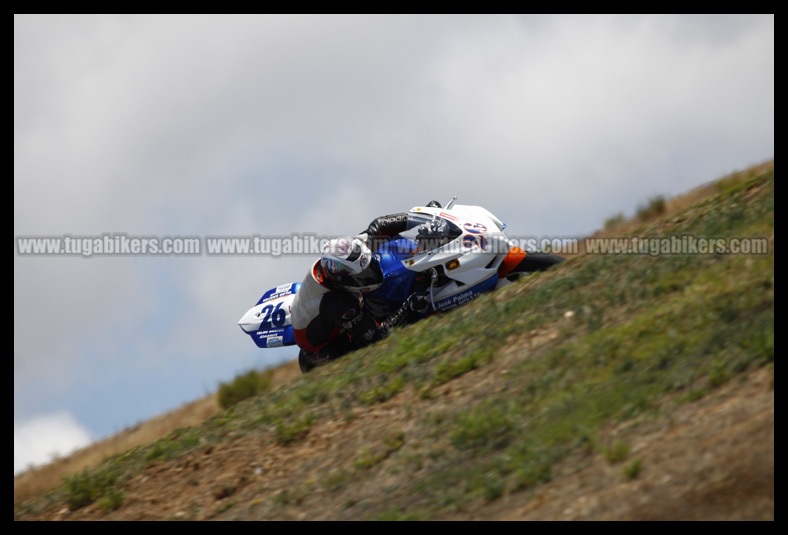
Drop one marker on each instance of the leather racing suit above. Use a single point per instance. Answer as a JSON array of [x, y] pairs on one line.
[[329, 321]]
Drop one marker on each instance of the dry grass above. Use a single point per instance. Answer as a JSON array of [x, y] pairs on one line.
[[40, 480]]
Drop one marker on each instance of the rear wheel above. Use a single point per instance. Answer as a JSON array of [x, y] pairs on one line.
[[308, 360]]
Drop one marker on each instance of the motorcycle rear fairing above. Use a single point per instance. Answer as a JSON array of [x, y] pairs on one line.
[[268, 322]]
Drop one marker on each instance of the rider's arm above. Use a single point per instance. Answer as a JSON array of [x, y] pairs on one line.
[[385, 227], [388, 225]]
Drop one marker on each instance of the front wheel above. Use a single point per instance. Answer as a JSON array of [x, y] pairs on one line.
[[535, 262]]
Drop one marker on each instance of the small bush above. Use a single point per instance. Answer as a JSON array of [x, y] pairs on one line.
[[112, 500], [632, 470], [614, 220], [617, 453], [168, 447], [652, 208], [84, 488], [294, 430], [242, 387]]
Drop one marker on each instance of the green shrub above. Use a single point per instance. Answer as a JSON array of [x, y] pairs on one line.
[[242, 387], [617, 452], [112, 500], [614, 220], [86, 487], [655, 206], [632, 470]]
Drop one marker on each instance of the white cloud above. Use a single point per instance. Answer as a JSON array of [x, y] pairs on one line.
[[46, 437]]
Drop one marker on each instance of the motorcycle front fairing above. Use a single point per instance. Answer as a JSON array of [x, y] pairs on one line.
[[466, 244]]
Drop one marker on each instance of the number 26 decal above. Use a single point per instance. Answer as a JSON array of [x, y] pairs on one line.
[[274, 317]]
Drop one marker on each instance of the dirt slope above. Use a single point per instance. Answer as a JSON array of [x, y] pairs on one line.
[[710, 459], [37, 481]]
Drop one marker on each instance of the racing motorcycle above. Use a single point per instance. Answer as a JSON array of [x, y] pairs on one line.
[[462, 251]]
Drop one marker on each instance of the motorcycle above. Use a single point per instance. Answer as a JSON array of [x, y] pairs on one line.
[[461, 250]]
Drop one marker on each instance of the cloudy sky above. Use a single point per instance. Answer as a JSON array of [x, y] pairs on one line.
[[239, 126]]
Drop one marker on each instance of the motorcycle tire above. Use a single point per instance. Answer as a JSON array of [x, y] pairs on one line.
[[307, 360], [534, 262]]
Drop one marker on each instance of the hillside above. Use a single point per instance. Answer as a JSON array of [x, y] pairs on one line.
[[617, 386]]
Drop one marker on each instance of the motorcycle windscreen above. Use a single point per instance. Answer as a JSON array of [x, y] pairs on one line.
[[431, 232]]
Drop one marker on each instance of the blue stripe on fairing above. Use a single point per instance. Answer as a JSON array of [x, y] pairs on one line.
[[397, 279], [467, 295]]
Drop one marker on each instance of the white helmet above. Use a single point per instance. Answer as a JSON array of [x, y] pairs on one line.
[[348, 263]]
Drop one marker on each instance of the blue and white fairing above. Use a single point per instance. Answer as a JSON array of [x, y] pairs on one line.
[[398, 281], [268, 322], [397, 278]]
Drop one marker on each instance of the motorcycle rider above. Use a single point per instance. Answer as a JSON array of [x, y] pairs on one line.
[[328, 315]]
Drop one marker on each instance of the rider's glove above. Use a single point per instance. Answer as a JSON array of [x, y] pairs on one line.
[[417, 302]]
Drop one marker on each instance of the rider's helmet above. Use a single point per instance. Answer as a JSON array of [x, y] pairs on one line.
[[349, 264]]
